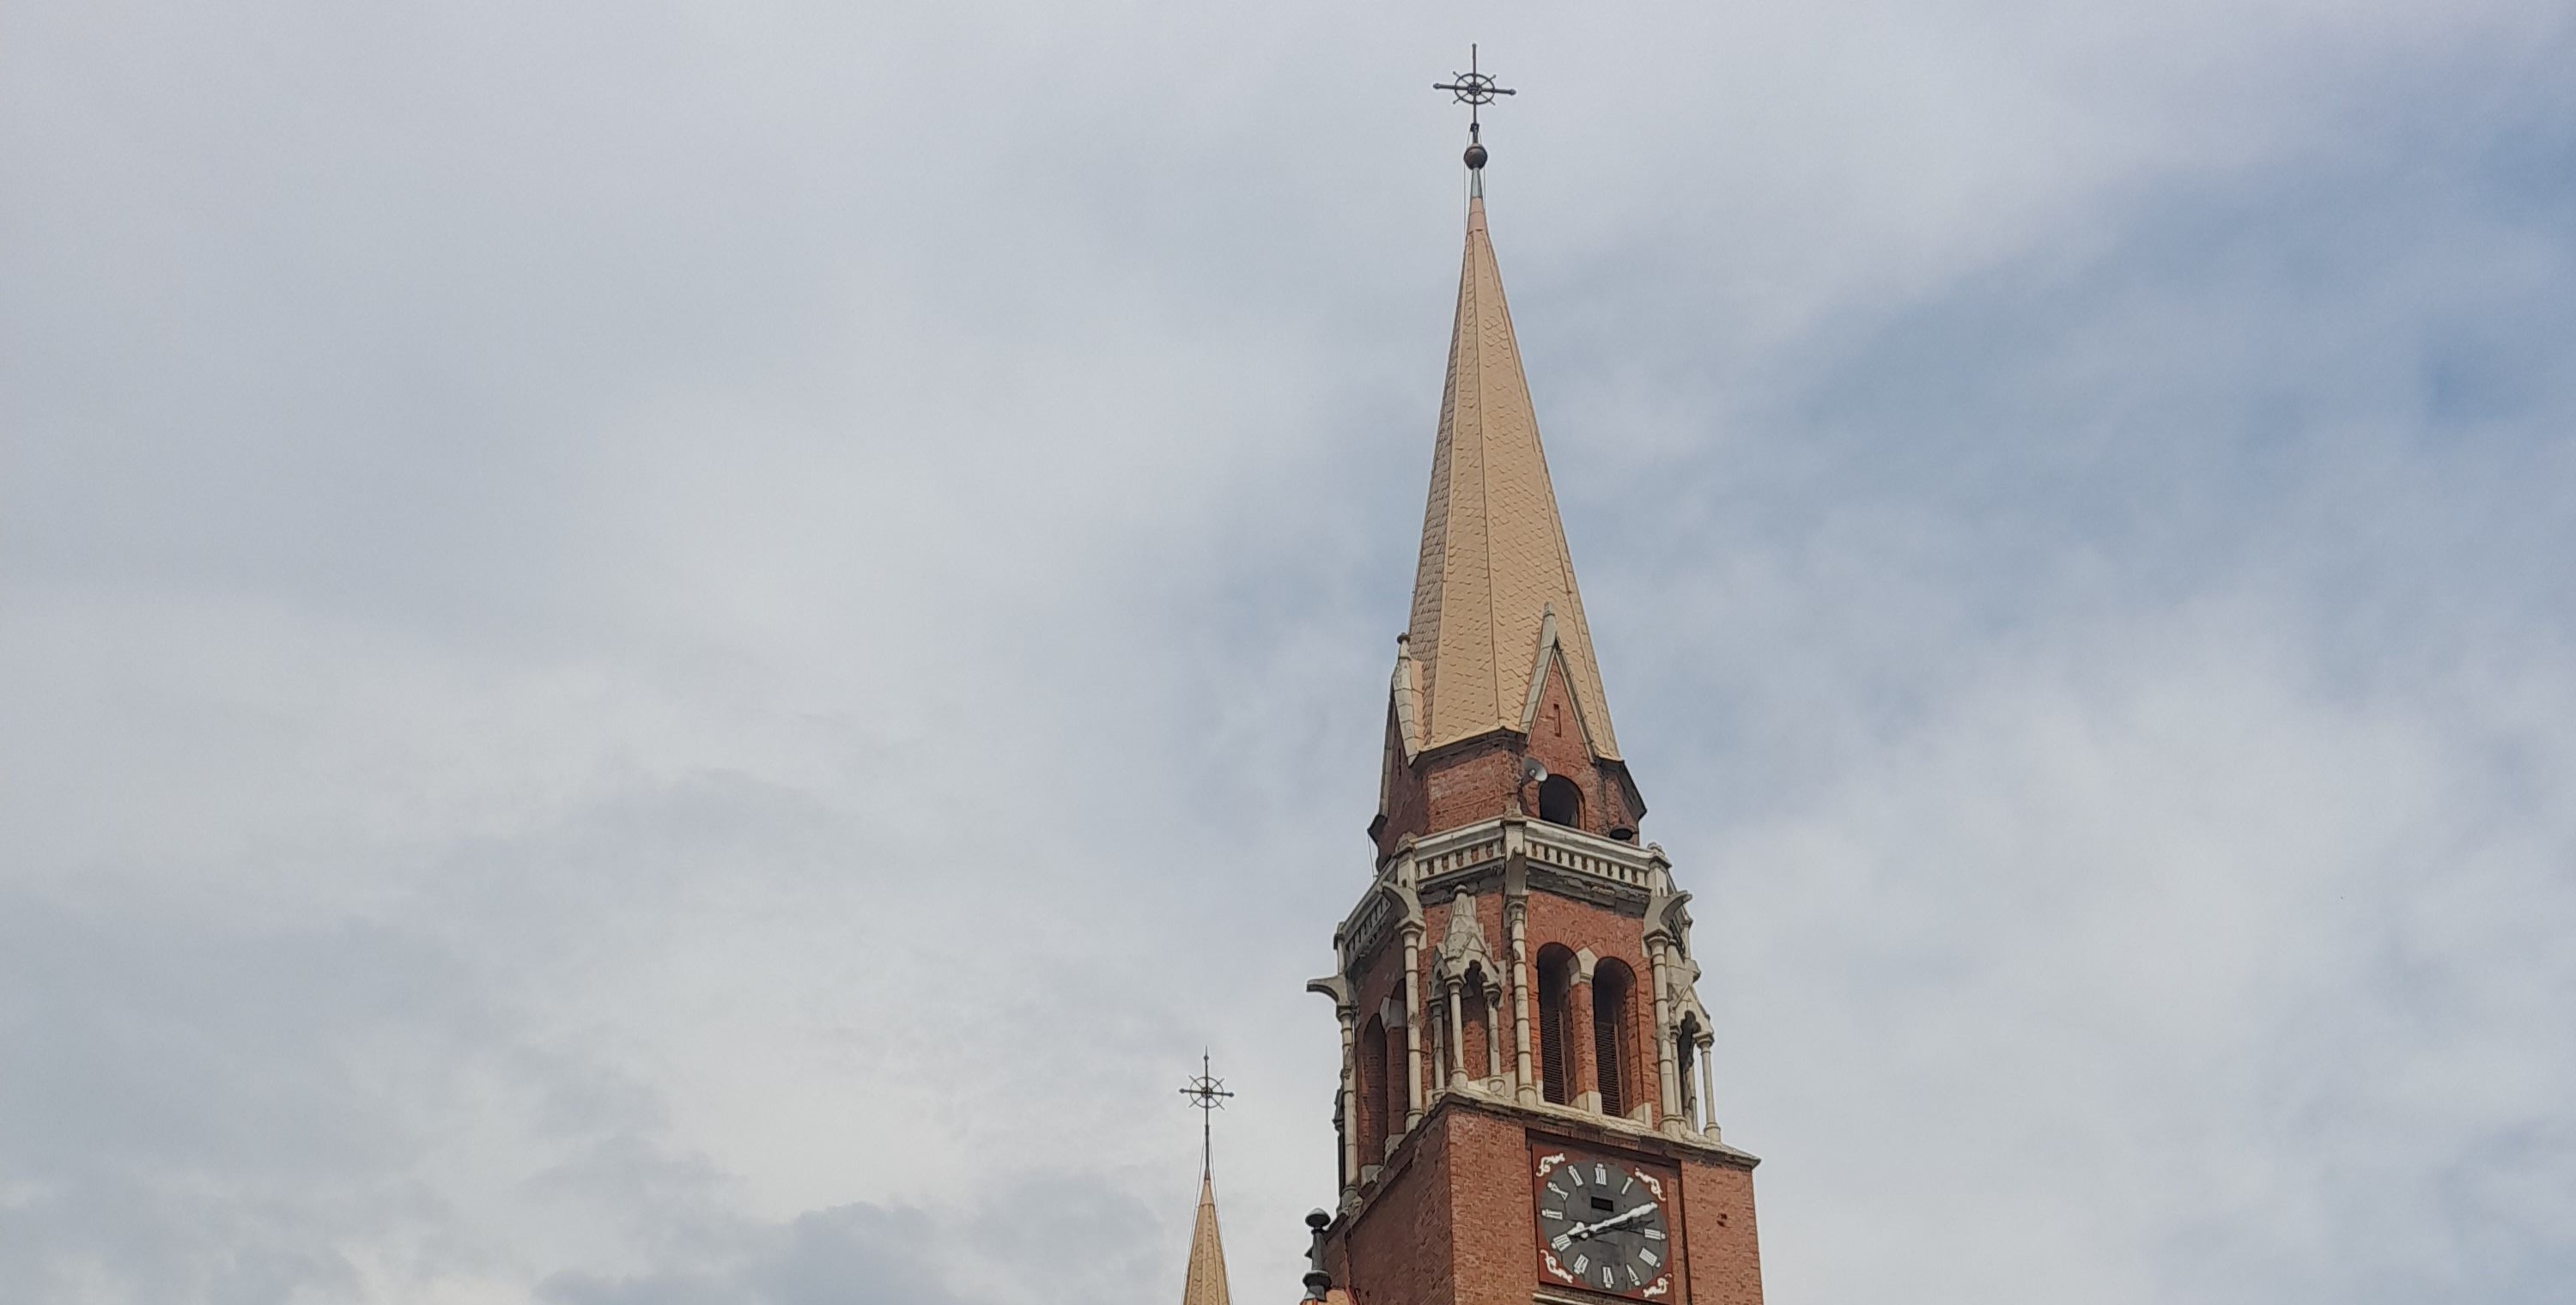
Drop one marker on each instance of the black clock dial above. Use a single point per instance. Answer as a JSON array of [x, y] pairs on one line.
[[1602, 1225]]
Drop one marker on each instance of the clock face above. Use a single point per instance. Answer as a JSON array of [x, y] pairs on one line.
[[1602, 1225]]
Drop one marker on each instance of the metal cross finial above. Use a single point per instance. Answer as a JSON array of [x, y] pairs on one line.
[[1207, 1095], [1475, 89]]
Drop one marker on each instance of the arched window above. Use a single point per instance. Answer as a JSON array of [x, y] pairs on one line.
[[1555, 1054], [1560, 801], [1613, 1037], [1371, 1106]]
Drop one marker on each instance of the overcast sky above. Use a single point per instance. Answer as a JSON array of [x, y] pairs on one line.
[[687, 652]]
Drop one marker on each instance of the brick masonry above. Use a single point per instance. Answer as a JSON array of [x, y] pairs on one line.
[[1447, 1217], [1451, 1221]]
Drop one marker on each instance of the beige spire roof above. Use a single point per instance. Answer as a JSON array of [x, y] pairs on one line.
[[1205, 1284], [1495, 577]]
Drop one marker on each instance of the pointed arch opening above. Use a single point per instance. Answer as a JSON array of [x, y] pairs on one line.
[[1373, 1094], [1614, 1051]]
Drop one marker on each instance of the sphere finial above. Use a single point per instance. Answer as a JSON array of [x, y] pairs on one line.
[[1319, 1281]]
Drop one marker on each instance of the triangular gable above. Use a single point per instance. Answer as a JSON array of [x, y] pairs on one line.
[[1551, 658]]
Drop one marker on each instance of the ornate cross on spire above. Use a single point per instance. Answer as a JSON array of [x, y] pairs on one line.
[[1207, 1095], [1475, 89]]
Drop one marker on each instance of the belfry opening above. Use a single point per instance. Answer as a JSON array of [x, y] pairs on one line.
[[1560, 801]]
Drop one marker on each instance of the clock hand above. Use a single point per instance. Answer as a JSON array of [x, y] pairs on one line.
[[1615, 1220], [1582, 1231]]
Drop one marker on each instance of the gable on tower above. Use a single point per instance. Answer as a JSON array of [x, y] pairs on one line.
[[1551, 661]]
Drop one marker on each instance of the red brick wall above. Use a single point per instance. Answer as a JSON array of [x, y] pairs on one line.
[[1489, 1194], [1724, 1257], [1406, 810], [1476, 780], [1399, 1251], [1451, 1223]]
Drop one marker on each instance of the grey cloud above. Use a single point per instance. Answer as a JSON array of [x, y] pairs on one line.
[[1039, 1237], [205, 1114], [619, 624], [848, 1253]]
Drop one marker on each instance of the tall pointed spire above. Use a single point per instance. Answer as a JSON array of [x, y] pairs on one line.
[[1495, 585], [1205, 1284]]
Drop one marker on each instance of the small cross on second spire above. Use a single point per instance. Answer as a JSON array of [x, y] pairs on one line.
[[1207, 1095], [1205, 1283]]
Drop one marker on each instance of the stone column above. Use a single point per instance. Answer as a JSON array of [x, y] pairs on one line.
[[1582, 1079], [1666, 1072], [1457, 1035], [1434, 1059], [1413, 1025], [1524, 1085], [1493, 995], [1350, 1095], [1707, 1088]]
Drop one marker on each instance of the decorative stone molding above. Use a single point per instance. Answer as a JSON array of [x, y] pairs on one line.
[[1407, 690], [1389, 905], [1470, 848], [1593, 857], [1681, 993], [1463, 947]]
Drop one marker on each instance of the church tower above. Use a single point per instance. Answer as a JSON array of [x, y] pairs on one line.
[[1525, 1111]]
